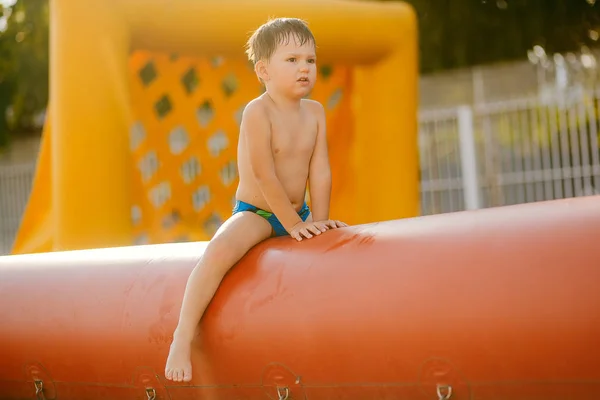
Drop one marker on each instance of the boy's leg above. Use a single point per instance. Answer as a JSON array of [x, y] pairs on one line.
[[230, 243]]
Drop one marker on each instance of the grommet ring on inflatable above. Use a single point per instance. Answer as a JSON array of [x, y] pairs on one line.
[[283, 393], [447, 394]]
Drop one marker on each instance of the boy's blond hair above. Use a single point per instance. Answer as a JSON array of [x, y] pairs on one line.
[[264, 41]]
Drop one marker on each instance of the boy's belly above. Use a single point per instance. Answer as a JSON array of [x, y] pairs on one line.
[[249, 191]]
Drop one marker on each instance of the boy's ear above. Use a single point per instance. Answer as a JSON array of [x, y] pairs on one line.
[[261, 71]]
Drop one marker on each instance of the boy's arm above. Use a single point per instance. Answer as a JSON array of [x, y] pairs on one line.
[[320, 171], [255, 123]]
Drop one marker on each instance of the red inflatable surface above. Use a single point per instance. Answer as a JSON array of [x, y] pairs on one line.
[[495, 304]]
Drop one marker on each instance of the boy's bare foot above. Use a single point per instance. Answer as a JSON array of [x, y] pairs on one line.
[[179, 363]]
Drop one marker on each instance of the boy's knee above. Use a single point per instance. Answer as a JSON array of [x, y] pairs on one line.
[[218, 255]]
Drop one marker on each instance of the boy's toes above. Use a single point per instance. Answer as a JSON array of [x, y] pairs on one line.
[[187, 375], [169, 374]]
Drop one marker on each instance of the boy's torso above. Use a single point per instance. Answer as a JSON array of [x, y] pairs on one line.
[[293, 138]]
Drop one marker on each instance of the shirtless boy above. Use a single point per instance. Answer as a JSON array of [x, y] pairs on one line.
[[282, 147]]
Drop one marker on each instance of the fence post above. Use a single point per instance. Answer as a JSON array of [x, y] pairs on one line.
[[468, 158]]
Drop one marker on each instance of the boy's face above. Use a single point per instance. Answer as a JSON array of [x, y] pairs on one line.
[[292, 68]]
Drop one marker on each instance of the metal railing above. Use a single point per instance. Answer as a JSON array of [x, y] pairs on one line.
[[509, 152], [15, 186]]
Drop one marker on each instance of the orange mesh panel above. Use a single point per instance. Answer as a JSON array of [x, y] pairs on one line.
[[184, 140]]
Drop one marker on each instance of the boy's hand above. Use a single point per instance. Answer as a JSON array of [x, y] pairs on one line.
[[308, 229], [332, 223]]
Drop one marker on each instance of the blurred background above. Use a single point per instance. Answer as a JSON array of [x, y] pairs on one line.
[[508, 105]]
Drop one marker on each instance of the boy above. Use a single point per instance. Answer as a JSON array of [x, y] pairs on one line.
[[282, 145]]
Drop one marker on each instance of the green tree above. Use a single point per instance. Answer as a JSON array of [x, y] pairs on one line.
[[6, 81], [462, 33], [23, 66]]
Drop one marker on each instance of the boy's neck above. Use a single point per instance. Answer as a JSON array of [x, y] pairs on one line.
[[282, 102]]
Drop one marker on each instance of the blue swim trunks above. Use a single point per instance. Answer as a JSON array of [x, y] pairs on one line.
[[278, 229]]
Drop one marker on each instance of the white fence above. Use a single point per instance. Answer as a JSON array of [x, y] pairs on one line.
[[496, 154], [508, 153], [15, 186]]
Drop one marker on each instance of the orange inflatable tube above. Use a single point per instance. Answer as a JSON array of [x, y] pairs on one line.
[[494, 304]]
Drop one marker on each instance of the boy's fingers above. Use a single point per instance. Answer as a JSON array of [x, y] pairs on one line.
[[322, 227], [314, 229]]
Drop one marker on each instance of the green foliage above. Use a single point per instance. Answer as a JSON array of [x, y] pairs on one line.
[[6, 82], [23, 66], [462, 33]]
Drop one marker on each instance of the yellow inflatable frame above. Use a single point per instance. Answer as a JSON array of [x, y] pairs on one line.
[[85, 158]]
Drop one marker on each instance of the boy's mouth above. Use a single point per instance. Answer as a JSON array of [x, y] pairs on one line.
[[303, 79]]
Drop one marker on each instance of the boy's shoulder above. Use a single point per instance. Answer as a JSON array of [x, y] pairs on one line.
[[259, 106], [256, 105], [314, 106]]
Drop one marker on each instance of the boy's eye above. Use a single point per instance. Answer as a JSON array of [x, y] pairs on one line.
[[292, 59], [311, 60]]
